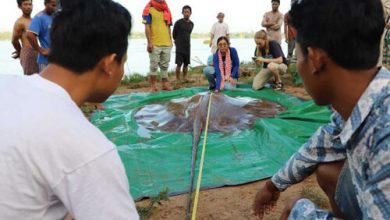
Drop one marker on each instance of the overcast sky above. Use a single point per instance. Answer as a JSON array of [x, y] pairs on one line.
[[241, 15]]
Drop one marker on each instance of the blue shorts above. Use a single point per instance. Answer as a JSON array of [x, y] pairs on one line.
[[345, 196]]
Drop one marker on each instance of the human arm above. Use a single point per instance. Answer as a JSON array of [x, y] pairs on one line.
[[277, 54], [211, 39], [286, 21], [235, 63], [33, 39], [33, 32], [278, 23], [277, 60], [266, 22], [147, 20], [175, 30], [149, 46], [324, 146], [212, 35], [16, 36]]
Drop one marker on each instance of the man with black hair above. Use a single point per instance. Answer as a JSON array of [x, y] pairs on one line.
[[182, 36], [40, 30], [273, 21], [337, 52], [52, 159], [23, 49], [157, 19]]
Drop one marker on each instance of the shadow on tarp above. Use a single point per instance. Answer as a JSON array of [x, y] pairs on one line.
[[160, 159]]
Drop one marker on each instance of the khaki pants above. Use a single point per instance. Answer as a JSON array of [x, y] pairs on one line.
[[265, 74], [160, 57]]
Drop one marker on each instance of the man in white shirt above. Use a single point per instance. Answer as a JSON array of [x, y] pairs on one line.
[[219, 29], [53, 161]]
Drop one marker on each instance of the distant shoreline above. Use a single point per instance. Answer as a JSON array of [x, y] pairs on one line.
[[141, 35]]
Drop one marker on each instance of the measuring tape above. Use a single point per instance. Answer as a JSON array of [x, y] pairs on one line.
[[201, 162]]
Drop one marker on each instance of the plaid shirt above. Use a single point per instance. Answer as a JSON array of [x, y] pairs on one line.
[[364, 139]]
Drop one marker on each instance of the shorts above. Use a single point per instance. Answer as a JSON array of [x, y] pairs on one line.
[[182, 58], [265, 74], [345, 196]]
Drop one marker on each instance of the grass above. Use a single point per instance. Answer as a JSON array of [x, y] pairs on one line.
[[147, 212], [317, 198]]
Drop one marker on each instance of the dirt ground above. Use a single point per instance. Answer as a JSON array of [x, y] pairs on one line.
[[233, 202]]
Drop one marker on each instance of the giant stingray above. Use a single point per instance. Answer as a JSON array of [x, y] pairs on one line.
[[227, 114]]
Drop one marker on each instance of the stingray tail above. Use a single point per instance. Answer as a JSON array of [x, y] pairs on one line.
[[197, 130]]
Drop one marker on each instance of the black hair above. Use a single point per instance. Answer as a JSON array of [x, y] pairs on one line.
[[186, 7], [21, 1], [278, 1], [46, 2], [349, 31], [85, 31], [223, 38]]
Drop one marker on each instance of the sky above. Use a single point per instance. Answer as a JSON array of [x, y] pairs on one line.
[[240, 15]]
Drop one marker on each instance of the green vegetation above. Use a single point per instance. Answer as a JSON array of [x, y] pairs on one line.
[[147, 212]]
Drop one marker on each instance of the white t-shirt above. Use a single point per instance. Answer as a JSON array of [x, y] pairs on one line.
[[219, 30], [53, 160]]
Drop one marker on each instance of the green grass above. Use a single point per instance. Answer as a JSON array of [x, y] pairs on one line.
[[147, 212]]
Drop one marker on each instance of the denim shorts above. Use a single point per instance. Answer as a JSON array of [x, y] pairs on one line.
[[345, 196]]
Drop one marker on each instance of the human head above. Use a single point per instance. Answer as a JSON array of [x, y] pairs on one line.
[[223, 44], [186, 11], [220, 17], [26, 6], [50, 6], [261, 39], [275, 5], [348, 32], [85, 33]]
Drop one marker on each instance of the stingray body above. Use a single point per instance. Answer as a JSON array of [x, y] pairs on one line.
[[227, 114]]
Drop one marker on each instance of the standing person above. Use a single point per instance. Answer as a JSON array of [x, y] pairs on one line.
[[23, 49], [350, 155], [182, 35], [226, 65], [270, 53], [289, 35], [219, 29], [273, 21], [52, 159], [40, 28], [158, 20]]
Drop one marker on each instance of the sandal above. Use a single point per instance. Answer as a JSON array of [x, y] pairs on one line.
[[278, 86]]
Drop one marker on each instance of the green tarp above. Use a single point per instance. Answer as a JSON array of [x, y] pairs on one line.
[[164, 159]]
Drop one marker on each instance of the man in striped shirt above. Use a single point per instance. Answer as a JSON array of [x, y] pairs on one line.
[[337, 51]]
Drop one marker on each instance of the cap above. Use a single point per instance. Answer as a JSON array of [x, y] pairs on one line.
[[220, 15]]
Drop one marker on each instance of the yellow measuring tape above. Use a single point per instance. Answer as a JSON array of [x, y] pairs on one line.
[[201, 162]]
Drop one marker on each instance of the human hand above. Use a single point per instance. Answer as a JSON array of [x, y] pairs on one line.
[[259, 59], [44, 51], [232, 81], [15, 55], [265, 200], [149, 48]]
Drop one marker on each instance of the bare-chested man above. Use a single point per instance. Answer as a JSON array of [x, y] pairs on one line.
[[273, 21], [23, 49]]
